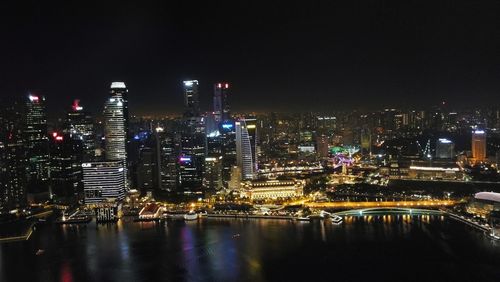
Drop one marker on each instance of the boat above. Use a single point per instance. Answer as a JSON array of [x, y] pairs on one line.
[[191, 216], [174, 215], [202, 214], [337, 220], [74, 220]]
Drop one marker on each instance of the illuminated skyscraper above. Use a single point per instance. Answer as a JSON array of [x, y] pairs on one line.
[[104, 181], [246, 147], [212, 173], [479, 145], [114, 130], [37, 144], [228, 149], [119, 91], [80, 126], [168, 151], [191, 99], [12, 157], [66, 154], [221, 105]]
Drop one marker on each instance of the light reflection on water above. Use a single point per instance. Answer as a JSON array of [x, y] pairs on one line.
[[251, 250]]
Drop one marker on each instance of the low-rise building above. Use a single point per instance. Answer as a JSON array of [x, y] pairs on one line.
[[272, 189]]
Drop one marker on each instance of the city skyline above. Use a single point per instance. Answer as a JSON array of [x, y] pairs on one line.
[[247, 141], [387, 56]]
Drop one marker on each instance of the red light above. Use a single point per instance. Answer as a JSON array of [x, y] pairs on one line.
[[54, 134], [59, 138], [76, 105], [219, 85], [227, 85]]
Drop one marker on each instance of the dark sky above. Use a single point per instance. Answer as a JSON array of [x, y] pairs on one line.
[[286, 55]]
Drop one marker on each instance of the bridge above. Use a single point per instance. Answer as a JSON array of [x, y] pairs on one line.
[[387, 210], [383, 204]]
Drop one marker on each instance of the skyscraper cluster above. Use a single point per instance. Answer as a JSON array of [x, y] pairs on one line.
[[86, 160]]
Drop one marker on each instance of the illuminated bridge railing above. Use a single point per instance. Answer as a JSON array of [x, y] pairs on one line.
[[385, 210]]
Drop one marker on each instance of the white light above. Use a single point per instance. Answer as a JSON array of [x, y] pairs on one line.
[[444, 141], [159, 129], [190, 82], [479, 132], [118, 84]]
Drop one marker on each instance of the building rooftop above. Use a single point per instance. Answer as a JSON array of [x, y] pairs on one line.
[[488, 196]]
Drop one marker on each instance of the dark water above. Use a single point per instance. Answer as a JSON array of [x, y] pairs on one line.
[[390, 248]]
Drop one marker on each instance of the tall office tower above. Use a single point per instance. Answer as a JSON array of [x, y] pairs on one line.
[[221, 105], [146, 170], [168, 150], [228, 149], [37, 145], [191, 99], [246, 147], [103, 181], [212, 178], [80, 126], [479, 145], [114, 130], [119, 91], [192, 156], [66, 155], [190, 179], [445, 149], [12, 157]]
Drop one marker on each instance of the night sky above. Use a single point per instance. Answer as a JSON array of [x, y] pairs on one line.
[[291, 55]]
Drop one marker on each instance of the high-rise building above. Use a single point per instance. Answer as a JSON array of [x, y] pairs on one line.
[[212, 179], [146, 170], [445, 149], [37, 145], [119, 91], [228, 149], [168, 152], [246, 147], [104, 181], [190, 178], [221, 105], [191, 99], [80, 126], [66, 155], [114, 130], [12, 157], [479, 145]]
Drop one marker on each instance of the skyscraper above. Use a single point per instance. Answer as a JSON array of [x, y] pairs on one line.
[[168, 151], [228, 149], [80, 126], [12, 157], [246, 147], [221, 105], [66, 156], [104, 181], [479, 145], [119, 91], [114, 130], [37, 145], [191, 99]]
